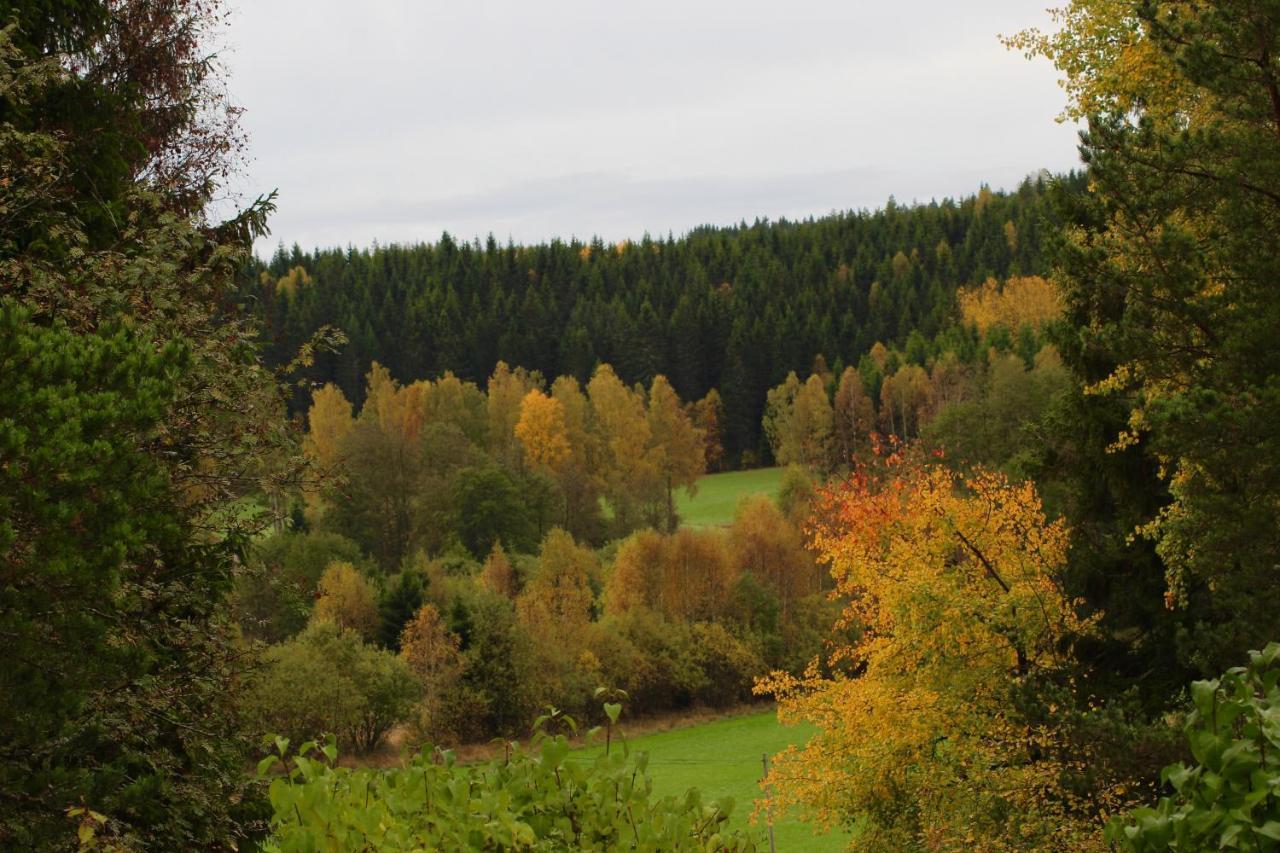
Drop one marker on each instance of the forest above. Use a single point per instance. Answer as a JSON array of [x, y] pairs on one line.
[[264, 521], [729, 309]]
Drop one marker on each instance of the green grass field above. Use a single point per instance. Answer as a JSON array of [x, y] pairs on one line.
[[723, 758], [718, 495]]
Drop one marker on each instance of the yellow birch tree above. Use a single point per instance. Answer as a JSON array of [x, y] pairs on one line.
[[939, 726]]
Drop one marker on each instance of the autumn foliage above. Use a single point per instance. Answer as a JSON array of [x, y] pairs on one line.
[[1021, 301], [346, 600], [928, 738]]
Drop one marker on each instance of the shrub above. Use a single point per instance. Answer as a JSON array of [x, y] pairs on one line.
[[498, 663], [328, 680], [530, 799], [796, 492], [728, 665], [652, 659]]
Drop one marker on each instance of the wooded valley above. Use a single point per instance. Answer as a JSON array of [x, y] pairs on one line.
[[283, 538]]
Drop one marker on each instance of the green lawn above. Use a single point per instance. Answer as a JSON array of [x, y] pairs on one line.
[[723, 758], [718, 495]]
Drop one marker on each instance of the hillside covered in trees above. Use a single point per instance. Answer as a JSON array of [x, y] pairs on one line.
[[1019, 577], [734, 309]]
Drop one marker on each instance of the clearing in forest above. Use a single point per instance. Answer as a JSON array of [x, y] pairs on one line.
[[718, 495], [723, 758]]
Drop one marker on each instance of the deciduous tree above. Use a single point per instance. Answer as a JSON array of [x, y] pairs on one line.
[[941, 725], [345, 599], [618, 414], [329, 422], [708, 417], [504, 393], [542, 431], [798, 422], [675, 445], [557, 600], [903, 398], [498, 574], [853, 418], [764, 543], [1020, 301]]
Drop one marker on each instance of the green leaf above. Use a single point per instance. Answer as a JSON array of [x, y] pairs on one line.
[[1204, 696], [1270, 829]]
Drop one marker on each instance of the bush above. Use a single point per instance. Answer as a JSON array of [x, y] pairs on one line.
[[329, 681], [728, 665], [531, 799], [650, 658], [796, 492], [498, 662], [448, 708]]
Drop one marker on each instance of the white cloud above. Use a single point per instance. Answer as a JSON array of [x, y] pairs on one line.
[[397, 120]]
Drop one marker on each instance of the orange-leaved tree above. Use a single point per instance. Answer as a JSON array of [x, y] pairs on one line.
[[946, 722]]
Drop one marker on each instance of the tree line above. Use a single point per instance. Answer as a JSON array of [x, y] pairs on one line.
[[731, 309], [440, 464]]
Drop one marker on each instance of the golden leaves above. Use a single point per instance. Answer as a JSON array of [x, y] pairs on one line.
[[541, 429], [1021, 301], [949, 584]]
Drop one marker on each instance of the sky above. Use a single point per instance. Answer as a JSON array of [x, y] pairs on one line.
[[395, 120]]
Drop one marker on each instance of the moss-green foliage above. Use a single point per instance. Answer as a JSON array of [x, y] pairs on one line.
[[667, 664], [1230, 799], [718, 495], [499, 664], [328, 681], [491, 506], [998, 424], [532, 798], [723, 759]]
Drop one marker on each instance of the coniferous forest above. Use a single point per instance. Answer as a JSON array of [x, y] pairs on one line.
[[389, 548], [732, 309]]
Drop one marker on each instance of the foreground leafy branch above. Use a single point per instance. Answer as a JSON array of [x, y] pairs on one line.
[[1231, 799]]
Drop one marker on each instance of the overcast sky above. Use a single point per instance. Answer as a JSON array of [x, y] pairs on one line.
[[395, 120]]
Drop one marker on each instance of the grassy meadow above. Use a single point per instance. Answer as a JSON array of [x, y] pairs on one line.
[[723, 758], [718, 495]]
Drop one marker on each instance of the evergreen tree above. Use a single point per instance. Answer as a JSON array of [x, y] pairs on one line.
[[122, 453]]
